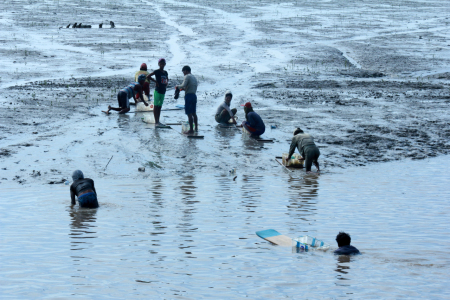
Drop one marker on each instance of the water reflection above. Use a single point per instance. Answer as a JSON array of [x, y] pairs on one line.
[[251, 192], [123, 121], [303, 194], [82, 227], [343, 267]]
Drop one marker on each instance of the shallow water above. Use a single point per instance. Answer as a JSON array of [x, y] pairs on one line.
[[193, 237]]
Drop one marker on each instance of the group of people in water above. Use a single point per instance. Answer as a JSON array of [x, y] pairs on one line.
[[84, 190]]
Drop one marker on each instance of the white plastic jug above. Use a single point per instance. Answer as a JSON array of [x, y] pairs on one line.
[[150, 118]]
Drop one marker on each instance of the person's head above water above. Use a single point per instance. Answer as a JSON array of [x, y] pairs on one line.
[[228, 96], [297, 131], [141, 78], [343, 239], [76, 175], [144, 67]]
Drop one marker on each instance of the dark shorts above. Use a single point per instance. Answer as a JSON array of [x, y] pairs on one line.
[[224, 116], [311, 154], [190, 104], [122, 98], [253, 131], [88, 200]]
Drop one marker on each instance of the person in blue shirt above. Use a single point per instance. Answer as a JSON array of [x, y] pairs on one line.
[[133, 90], [253, 124], [343, 240]]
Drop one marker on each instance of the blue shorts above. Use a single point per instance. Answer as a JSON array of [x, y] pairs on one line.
[[122, 98], [88, 200], [190, 104]]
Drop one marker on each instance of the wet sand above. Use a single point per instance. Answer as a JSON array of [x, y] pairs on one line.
[[370, 81]]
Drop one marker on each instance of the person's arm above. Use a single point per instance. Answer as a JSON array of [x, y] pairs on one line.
[[183, 86], [292, 149], [72, 197], [93, 188], [149, 77], [140, 90]]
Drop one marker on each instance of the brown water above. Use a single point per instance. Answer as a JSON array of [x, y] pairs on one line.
[[193, 237]]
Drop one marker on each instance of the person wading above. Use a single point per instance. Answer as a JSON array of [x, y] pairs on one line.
[[84, 189]]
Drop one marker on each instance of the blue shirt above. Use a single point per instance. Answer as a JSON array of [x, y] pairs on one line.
[[346, 250], [255, 121], [130, 89]]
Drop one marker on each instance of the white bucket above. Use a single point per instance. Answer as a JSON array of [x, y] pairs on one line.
[[150, 118]]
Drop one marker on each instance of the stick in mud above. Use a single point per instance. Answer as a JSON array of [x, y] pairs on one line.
[[108, 162], [289, 171]]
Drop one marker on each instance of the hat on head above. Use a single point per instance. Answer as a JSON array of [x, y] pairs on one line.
[[297, 131], [161, 59], [144, 67], [141, 78], [77, 175], [248, 104]]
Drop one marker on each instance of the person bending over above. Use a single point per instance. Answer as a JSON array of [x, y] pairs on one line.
[[307, 148], [254, 124], [224, 113], [84, 189], [131, 91], [343, 240]]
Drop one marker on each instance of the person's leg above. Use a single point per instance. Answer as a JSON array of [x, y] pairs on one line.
[[157, 113], [309, 157], [224, 116], [191, 123], [234, 111], [195, 113], [316, 157]]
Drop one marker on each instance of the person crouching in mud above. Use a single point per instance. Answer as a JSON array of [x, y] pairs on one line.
[[253, 124], [84, 189], [133, 90], [146, 85], [307, 148], [343, 240], [224, 113]]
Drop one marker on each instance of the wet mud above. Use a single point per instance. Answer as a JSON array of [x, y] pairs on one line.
[[370, 85]]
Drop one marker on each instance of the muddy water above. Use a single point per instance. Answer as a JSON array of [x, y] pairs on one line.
[[192, 236]]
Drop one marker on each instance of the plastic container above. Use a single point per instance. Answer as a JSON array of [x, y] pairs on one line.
[[300, 245], [310, 242], [150, 118], [185, 126], [141, 106], [294, 162]]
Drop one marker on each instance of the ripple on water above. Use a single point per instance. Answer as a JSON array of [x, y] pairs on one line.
[[193, 236]]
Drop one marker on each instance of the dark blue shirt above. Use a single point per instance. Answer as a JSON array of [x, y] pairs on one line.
[[255, 121], [346, 250]]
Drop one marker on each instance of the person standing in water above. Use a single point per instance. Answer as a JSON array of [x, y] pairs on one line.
[[161, 80], [343, 240], [84, 189], [253, 124], [189, 86], [224, 113], [307, 148]]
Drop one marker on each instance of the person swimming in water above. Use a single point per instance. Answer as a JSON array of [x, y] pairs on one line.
[[84, 189], [343, 240]]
